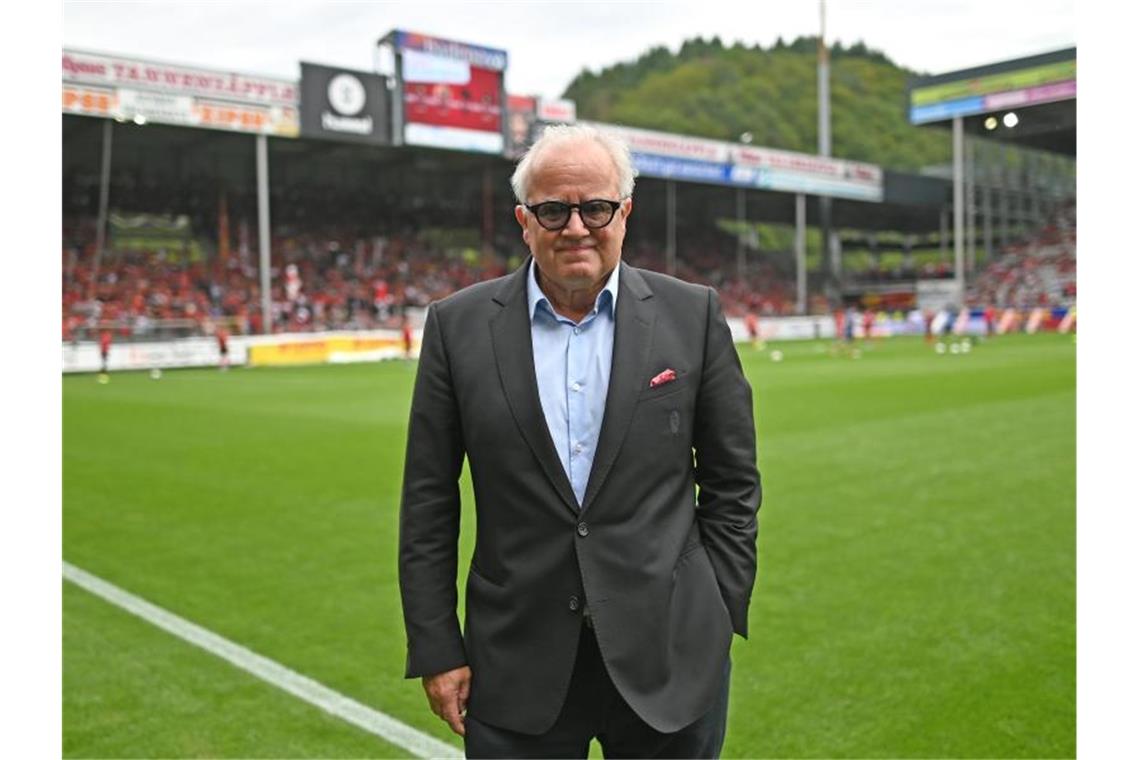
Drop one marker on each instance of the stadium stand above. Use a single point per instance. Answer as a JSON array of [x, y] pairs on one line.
[[345, 282], [353, 277], [1039, 271]]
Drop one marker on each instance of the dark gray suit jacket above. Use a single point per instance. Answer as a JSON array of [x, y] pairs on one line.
[[667, 571]]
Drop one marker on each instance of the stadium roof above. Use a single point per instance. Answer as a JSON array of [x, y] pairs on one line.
[[1040, 89], [911, 203]]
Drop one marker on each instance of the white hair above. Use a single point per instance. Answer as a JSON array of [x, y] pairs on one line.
[[561, 134]]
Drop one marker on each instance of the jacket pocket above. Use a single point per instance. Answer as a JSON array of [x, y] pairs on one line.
[[481, 577], [665, 389], [692, 545]]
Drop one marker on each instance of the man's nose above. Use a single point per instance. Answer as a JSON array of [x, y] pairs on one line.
[[575, 226]]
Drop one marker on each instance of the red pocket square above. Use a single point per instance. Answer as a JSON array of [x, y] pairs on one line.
[[667, 376]]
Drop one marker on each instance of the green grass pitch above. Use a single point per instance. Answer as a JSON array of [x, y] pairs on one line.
[[916, 594]]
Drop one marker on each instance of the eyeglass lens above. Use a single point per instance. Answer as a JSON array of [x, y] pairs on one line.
[[554, 214]]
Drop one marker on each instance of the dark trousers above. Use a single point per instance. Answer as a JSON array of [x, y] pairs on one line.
[[595, 709]]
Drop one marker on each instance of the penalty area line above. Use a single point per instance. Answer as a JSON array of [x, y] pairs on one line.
[[373, 721]]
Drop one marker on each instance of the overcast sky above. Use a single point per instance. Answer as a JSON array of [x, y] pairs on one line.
[[549, 43]]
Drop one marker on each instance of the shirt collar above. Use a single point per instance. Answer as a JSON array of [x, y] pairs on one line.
[[535, 296]]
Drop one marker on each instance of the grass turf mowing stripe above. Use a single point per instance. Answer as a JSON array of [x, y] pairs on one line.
[[373, 721]]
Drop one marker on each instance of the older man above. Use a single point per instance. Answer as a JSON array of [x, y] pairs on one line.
[[609, 433]]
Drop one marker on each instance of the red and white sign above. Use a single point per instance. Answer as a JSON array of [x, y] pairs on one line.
[[768, 158], [120, 88], [660, 154], [665, 144], [97, 69], [558, 111], [701, 149]]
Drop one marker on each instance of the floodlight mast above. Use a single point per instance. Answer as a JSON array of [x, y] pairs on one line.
[[104, 193], [263, 232], [959, 210], [740, 227], [824, 92]]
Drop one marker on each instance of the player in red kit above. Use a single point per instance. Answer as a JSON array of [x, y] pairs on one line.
[[223, 347], [753, 326], [868, 324], [104, 351], [406, 332]]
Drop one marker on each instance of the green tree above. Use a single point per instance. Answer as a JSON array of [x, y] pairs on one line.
[[709, 90]]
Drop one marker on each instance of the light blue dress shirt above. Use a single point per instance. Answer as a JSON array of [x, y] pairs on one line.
[[572, 366]]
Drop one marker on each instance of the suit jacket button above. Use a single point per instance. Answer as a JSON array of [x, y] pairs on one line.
[[583, 529], [573, 604]]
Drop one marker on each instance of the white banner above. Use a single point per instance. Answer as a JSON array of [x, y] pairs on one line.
[[188, 352], [97, 69], [156, 106], [784, 328], [334, 347], [454, 138], [666, 144]]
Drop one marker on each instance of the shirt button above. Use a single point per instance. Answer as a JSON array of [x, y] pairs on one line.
[[577, 330], [574, 604], [576, 387], [583, 529]]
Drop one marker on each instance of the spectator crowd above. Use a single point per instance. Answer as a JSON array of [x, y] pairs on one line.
[[1039, 271], [332, 278]]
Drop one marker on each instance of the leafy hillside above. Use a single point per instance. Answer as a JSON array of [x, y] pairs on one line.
[[721, 92]]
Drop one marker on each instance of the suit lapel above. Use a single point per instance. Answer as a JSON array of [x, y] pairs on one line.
[[633, 339], [514, 357]]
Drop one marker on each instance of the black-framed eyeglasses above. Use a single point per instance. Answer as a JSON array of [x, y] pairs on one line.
[[595, 213]]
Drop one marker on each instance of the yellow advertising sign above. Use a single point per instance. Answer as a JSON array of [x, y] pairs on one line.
[[336, 350], [279, 354]]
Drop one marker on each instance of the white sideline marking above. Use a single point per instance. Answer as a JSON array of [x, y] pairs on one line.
[[386, 727]]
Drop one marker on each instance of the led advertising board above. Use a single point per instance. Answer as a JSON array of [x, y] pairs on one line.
[[452, 93], [992, 88]]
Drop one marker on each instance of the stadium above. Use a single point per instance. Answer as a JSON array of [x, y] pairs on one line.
[[246, 265]]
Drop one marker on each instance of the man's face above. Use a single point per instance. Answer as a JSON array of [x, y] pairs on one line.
[[574, 257]]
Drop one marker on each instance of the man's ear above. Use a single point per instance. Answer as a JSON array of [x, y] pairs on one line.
[[628, 206], [520, 217]]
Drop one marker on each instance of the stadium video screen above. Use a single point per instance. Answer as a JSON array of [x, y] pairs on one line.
[[450, 100]]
